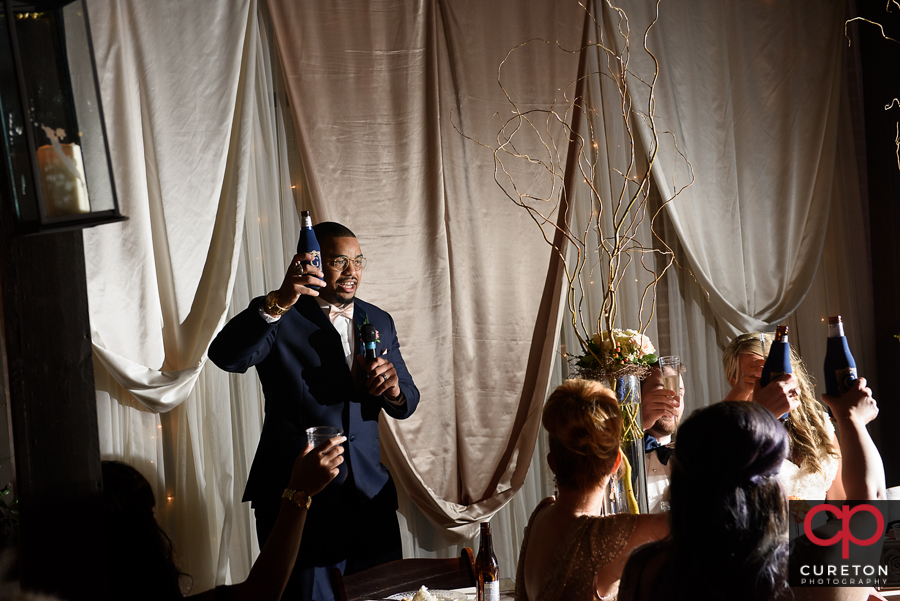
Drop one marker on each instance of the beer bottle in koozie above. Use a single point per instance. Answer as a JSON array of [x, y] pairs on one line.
[[840, 368], [779, 360], [308, 243]]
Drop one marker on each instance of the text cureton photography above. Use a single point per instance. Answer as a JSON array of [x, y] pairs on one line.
[[843, 543]]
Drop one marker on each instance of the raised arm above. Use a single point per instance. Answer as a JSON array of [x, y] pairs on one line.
[[863, 470], [247, 338], [269, 576]]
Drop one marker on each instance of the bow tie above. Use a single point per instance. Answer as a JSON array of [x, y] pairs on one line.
[[334, 312], [663, 453]]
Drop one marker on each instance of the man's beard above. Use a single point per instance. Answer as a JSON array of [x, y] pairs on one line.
[[345, 298], [665, 426]]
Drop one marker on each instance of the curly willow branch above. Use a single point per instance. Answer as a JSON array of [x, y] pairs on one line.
[[617, 209], [886, 37]]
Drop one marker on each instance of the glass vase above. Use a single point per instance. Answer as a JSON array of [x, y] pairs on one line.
[[627, 491]]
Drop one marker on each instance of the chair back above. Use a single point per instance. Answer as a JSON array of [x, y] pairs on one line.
[[379, 582]]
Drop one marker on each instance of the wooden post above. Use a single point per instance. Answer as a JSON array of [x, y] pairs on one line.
[[52, 410]]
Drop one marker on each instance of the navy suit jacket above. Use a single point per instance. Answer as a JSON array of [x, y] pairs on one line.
[[306, 382]]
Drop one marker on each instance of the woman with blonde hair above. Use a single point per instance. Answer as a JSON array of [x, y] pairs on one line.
[[813, 468], [571, 551]]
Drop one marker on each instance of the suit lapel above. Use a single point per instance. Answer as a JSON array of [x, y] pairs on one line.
[[359, 318]]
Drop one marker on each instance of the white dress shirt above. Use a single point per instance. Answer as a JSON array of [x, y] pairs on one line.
[[657, 480]]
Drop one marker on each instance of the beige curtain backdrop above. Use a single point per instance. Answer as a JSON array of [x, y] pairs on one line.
[[187, 92], [762, 145], [377, 89], [758, 97]]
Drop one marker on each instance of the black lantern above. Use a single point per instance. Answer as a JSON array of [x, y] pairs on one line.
[[55, 153]]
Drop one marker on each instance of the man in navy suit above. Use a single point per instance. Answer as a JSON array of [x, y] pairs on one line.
[[305, 346]]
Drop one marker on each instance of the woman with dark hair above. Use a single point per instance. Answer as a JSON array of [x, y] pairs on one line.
[[571, 552], [140, 561], [728, 514], [812, 469]]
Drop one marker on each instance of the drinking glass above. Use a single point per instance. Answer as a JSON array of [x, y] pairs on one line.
[[670, 367], [671, 372], [319, 434]]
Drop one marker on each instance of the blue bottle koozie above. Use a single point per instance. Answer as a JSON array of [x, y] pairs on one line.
[[308, 243], [840, 368], [779, 360]]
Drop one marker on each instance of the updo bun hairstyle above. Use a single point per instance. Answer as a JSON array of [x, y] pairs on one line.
[[584, 424]]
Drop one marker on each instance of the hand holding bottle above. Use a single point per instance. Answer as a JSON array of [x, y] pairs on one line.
[[300, 278], [856, 405], [781, 396]]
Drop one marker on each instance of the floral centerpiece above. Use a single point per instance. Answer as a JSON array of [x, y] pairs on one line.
[[616, 353], [621, 358]]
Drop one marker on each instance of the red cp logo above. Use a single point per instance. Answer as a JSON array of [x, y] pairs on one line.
[[844, 535]]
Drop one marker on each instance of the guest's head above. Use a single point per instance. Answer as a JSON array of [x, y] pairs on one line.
[[342, 262], [725, 493], [809, 437], [139, 555], [584, 425]]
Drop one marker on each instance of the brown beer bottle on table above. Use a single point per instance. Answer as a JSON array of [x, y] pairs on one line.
[[487, 570]]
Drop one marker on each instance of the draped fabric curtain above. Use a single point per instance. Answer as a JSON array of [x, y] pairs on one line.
[[762, 145], [389, 100], [757, 96], [197, 147], [383, 97]]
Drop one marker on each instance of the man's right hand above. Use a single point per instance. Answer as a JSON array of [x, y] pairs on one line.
[[658, 403], [298, 279]]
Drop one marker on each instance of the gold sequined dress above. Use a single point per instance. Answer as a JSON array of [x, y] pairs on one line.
[[591, 544]]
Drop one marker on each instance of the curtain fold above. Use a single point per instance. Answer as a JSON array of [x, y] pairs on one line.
[[182, 173]]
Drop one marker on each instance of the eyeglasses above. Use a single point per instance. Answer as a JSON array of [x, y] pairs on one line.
[[341, 263]]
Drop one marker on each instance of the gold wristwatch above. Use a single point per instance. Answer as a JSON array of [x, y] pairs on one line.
[[270, 305], [298, 497]]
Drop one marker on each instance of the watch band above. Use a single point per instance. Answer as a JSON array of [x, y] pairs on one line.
[[270, 304], [297, 497]]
